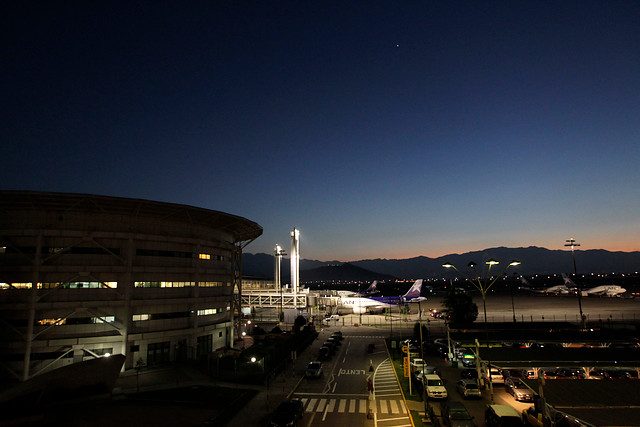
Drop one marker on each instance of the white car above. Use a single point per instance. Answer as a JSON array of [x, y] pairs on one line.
[[435, 387]]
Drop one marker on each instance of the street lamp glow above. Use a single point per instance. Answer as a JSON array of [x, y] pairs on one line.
[[253, 359], [493, 262]]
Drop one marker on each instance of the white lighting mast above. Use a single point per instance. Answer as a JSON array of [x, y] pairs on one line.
[[295, 260], [279, 252]]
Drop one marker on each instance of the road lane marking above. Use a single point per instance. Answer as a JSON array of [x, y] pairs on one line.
[[363, 406], [352, 406], [342, 405], [393, 407], [321, 404], [383, 407]]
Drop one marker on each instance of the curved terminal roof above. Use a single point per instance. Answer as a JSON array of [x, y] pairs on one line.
[[240, 228]]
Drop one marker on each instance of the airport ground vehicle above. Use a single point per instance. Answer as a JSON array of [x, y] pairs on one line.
[[502, 416], [468, 388], [287, 413]]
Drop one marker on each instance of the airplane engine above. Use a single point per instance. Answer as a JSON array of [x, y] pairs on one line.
[[359, 310]]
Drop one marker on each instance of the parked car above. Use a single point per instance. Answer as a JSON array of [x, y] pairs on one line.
[[570, 373], [337, 335], [454, 414], [334, 340], [518, 390], [324, 353], [331, 345], [435, 387], [502, 416], [314, 370], [600, 374], [469, 374], [287, 413], [495, 375], [548, 373], [515, 373], [468, 389]]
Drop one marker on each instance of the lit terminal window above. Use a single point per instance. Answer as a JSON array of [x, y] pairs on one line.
[[140, 317], [204, 256], [164, 284], [58, 321], [209, 284], [207, 311]]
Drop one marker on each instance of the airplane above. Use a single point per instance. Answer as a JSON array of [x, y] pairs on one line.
[[599, 291], [370, 290], [557, 289], [412, 295], [605, 291], [361, 305]]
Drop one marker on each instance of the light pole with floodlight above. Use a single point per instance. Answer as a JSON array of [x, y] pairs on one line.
[[483, 285], [570, 242]]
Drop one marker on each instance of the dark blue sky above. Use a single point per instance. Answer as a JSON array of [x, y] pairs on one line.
[[378, 128]]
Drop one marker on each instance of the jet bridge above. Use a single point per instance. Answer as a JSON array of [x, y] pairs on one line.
[[274, 299]]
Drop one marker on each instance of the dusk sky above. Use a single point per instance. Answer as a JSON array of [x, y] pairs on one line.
[[379, 129]]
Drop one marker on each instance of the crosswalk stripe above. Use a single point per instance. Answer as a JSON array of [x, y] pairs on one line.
[[383, 404], [331, 404], [312, 403]]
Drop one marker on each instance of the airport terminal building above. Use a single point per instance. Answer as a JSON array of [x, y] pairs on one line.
[[85, 275]]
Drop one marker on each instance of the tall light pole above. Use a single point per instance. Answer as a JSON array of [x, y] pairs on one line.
[[570, 242], [295, 260], [483, 285], [279, 252]]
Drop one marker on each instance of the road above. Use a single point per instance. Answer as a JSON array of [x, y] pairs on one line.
[[341, 396]]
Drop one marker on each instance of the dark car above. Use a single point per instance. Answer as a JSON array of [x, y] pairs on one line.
[[454, 414], [469, 374], [337, 335], [331, 345], [334, 340], [314, 370], [515, 373], [287, 413], [600, 374], [502, 416], [570, 373], [324, 352]]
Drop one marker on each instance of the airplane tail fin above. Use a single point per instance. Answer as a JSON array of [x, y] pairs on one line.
[[373, 286], [414, 291], [568, 281]]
